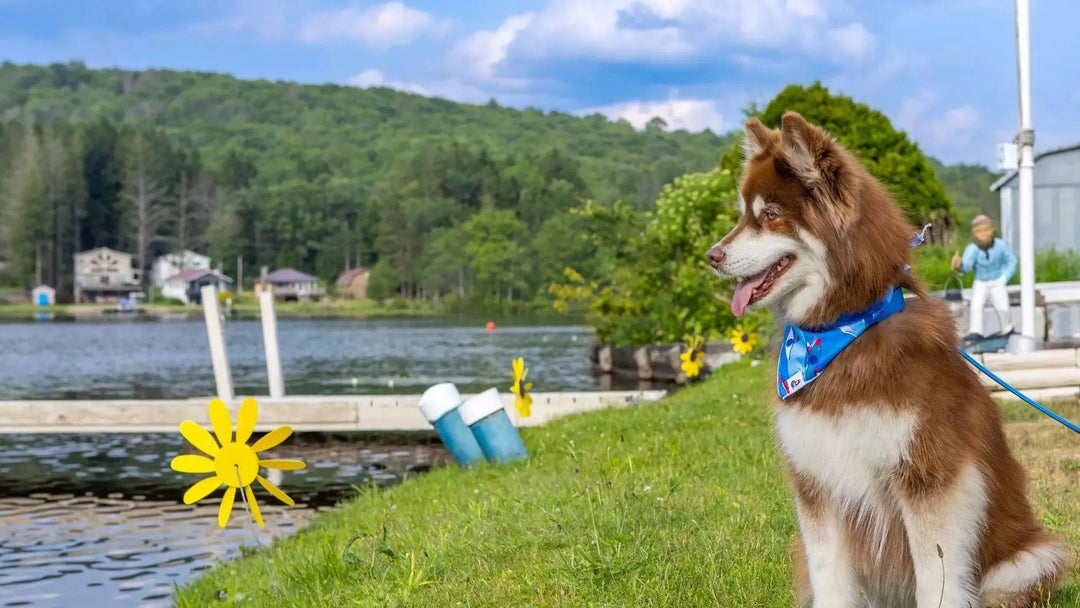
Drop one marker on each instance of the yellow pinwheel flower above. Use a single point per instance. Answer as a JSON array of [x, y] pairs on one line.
[[233, 463], [522, 399], [693, 358], [743, 340]]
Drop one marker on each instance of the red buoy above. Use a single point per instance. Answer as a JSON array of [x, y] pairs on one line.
[[491, 326]]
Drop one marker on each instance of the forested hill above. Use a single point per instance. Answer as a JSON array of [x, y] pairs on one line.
[[438, 197], [289, 129]]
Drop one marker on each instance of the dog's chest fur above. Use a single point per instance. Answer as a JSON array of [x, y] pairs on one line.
[[848, 455]]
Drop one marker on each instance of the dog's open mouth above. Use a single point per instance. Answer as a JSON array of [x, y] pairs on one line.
[[755, 288]]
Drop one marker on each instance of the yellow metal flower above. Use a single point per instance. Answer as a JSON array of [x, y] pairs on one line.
[[234, 464], [693, 358], [743, 340], [522, 399]]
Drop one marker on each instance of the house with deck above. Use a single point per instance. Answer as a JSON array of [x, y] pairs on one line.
[[169, 265], [187, 284], [289, 284], [105, 275]]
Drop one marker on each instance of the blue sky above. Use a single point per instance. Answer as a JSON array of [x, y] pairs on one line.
[[943, 70]]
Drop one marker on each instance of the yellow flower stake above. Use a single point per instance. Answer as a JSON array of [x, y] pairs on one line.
[[233, 463], [743, 340], [693, 358], [522, 399]]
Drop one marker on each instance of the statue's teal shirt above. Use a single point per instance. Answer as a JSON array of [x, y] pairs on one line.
[[989, 264]]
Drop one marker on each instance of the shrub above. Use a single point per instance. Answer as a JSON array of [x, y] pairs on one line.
[[383, 283], [659, 288]]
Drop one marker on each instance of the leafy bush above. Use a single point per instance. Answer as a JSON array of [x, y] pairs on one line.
[[659, 287], [225, 296], [1053, 265], [382, 284], [932, 265]]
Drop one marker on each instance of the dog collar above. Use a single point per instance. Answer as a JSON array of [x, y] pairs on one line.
[[806, 352]]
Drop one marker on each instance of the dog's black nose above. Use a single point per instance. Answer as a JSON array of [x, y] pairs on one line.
[[716, 256]]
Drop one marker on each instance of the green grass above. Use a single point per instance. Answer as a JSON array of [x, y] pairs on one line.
[[681, 503]]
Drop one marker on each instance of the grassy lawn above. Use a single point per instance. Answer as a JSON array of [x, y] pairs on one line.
[[680, 503]]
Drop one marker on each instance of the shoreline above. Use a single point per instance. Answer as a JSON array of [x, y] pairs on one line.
[[331, 310]]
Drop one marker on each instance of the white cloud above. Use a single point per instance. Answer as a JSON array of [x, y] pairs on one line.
[[368, 78], [937, 129], [689, 114], [381, 26], [481, 53], [659, 31], [852, 40], [450, 88]]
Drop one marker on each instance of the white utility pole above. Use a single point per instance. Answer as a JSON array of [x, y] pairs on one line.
[[1025, 139]]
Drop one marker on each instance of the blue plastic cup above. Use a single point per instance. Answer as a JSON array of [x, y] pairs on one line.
[[440, 405], [494, 431]]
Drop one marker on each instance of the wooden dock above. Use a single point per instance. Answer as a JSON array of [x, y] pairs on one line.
[[325, 413], [1042, 375]]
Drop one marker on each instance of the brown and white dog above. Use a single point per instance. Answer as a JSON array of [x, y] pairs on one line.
[[906, 492]]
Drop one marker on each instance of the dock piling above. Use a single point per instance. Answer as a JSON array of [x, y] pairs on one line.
[[215, 333], [270, 344]]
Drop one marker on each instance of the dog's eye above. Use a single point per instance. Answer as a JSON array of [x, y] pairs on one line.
[[771, 213]]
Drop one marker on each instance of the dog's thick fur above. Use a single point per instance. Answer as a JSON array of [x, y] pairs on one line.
[[906, 492]]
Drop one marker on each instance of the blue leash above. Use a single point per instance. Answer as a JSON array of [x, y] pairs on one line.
[[1072, 427]]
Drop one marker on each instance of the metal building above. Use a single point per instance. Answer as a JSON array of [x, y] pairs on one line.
[[1057, 201]]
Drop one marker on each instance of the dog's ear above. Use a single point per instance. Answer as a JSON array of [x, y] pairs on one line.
[[758, 138], [808, 151]]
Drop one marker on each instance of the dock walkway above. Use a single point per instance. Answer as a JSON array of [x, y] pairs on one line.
[[326, 413]]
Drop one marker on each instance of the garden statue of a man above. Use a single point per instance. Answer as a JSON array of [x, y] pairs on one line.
[[994, 264]]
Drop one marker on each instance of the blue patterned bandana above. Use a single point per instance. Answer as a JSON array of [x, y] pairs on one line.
[[806, 352]]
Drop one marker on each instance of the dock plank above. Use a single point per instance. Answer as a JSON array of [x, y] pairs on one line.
[[328, 413]]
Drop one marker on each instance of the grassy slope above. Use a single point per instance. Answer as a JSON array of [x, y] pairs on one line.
[[681, 503]]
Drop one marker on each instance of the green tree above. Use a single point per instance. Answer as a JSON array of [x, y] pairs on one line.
[[382, 282], [887, 153], [145, 191], [661, 288], [494, 250]]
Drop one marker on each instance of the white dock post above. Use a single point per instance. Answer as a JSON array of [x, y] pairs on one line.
[[215, 333], [270, 344]]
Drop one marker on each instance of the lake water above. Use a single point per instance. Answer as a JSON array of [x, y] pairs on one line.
[[159, 358], [97, 520]]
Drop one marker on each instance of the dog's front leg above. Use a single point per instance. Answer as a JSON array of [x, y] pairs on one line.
[[828, 560], [944, 523]]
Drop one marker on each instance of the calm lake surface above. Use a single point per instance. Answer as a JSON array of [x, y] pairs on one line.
[[98, 520], [161, 358]]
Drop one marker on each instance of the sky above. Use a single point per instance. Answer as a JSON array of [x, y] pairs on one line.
[[942, 70]]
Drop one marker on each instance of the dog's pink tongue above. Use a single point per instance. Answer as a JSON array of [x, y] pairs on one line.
[[743, 291]]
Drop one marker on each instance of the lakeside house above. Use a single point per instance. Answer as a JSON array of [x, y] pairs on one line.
[[105, 275], [187, 284], [169, 265], [353, 283], [1057, 201], [289, 284]]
